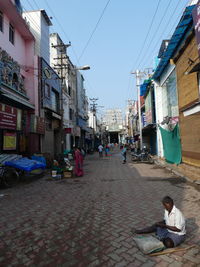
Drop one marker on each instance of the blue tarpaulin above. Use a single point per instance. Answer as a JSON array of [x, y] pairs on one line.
[[144, 87], [26, 164]]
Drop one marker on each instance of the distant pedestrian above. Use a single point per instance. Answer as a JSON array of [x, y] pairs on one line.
[[123, 152], [78, 162], [100, 149], [112, 146], [106, 150]]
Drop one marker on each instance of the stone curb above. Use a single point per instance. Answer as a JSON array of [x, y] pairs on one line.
[[177, 173]]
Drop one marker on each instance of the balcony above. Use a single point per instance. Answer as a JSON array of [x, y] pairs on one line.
[[16, 19]]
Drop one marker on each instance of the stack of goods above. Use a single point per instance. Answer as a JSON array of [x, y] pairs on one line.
[[68, 170], [56, 170]]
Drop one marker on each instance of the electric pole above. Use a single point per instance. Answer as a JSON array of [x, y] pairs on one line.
[[63, 65], [139, 75], [93, 109]]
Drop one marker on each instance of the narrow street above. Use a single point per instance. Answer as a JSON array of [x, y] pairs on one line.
[[87, 221]]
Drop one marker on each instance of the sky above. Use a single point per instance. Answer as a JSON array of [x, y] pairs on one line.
[[127, 37]]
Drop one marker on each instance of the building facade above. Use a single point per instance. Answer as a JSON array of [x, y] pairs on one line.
[[18, 82], [188, 84]]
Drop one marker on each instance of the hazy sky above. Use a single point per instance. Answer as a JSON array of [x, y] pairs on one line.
[[116, 46]]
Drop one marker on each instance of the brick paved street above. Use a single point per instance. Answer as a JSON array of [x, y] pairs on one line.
[[88, 221]]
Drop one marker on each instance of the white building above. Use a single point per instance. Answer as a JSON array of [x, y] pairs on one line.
[[113, 119], [92, 121], [65, 69], [131, 119], [39, 26]]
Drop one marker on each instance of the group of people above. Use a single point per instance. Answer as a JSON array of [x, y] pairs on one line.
[[105, 148]]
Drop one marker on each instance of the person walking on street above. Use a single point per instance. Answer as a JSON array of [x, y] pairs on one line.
[[106, 150], [123, 152], [78, 162], [100, 149]]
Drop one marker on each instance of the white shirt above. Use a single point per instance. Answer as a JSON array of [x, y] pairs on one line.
[[175, 218], [100, 147]]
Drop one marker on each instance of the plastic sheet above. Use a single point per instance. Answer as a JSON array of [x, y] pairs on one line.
[[26, 164]]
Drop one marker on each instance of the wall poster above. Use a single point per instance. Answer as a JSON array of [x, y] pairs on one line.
[[9, 140]]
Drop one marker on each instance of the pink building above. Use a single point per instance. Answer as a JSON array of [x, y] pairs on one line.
[[20, 124]]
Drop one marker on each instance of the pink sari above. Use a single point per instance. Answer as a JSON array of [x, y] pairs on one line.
[[78, 163]]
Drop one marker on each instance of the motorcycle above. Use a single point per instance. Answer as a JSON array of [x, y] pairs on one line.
[[143, 156], [8, 176]]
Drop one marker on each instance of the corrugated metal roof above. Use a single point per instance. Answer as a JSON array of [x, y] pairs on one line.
[[178, 35], [144, 87]]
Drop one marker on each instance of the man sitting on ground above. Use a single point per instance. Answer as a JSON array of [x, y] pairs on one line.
[[171, 231]]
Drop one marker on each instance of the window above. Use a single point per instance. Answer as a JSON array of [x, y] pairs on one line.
[[170, 98], [69, 90], [1, 21], [70, 114], [11, 34], [47, 90], [55, 101]]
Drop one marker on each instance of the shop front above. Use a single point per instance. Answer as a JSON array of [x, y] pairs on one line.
[[83, 127], [37, 130], [77, 136], [16, 106], [20, 130], [12, 134], [51, 141]]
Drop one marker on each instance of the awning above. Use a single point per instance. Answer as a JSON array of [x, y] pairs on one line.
[[144, 87], [149, 127], [184, 24], [23, 102]]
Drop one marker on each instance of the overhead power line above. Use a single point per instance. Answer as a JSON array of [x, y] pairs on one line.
[[67, 36], [156, 31], [102, 13], [164, 33], [148, 32], [63, 30]]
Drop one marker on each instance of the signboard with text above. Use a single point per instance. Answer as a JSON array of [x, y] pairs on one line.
[[9, 141], [8, 117]]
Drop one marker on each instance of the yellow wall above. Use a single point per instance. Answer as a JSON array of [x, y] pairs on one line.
[[188, 93]]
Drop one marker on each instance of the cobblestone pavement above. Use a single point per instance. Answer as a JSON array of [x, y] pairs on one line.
[[88, 221]]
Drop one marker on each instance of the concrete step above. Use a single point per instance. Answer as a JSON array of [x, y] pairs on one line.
[[185, 170]]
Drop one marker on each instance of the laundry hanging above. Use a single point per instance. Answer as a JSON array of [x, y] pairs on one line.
[[171, 145]]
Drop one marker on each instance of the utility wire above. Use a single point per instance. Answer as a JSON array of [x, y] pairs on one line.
[[52, 27], [148, 32], [163, 33], [31, 18], [66, 35], [35, 23], [156, 31], [62, 28], [178, 18], [102, 13]]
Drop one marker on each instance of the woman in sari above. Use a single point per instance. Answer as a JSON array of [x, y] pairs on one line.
[[78, 162]]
